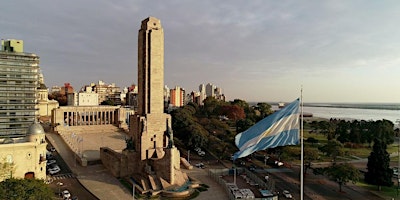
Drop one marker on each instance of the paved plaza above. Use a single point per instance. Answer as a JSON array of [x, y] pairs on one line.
[[87, 140]]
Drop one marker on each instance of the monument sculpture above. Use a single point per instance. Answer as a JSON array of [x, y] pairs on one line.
[[151, 158]]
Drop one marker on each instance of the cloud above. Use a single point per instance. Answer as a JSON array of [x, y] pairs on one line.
[[271, 46]]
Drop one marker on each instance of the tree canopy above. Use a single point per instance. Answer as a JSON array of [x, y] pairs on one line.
[[379, 173], [342, 174], [25, 189]]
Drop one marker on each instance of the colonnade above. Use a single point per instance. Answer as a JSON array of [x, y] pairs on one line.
[[82, 118], [88, 115]]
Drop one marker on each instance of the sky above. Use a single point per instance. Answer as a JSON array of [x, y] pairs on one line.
[[257, 51]]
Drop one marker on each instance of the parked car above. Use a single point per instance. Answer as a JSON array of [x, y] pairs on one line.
[[278, 163], [53, 171], [49, 162], [287, 194], [49, 155], [199, 165], [252, 168], [395, 171], [199, 151], [53, 166], [66, 194]]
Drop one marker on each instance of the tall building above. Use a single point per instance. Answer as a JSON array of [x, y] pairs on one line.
[[67, 89], [19, 80], [107, 92], [210, 90], [22, 139], [202, 95], [177, 97]]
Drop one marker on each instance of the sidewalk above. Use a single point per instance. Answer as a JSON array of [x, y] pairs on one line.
[[94, 178]]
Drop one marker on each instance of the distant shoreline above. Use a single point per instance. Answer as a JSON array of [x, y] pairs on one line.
[[372, 106]]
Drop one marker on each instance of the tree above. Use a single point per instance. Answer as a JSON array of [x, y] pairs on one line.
[[342, 173], [310, 154], [25, 189], [379, 173], [265, 109], [107, 102], [333, 148], [211, 106], [197, 136], [6, 170], [62, 99], [233, 112], [243, 125]]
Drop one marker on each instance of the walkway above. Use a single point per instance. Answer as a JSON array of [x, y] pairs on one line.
[[94, 178]]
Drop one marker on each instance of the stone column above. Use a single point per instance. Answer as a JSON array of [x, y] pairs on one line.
[[67, 121], [112, 117]]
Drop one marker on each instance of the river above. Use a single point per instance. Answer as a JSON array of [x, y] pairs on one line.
[[358, 111]]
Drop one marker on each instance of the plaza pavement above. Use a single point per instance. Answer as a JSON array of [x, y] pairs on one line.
[[97, 179]]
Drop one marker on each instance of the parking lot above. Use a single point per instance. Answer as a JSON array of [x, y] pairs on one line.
[[63, 182]]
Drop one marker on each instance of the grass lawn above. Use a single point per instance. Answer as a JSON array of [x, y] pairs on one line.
[[386, 192]]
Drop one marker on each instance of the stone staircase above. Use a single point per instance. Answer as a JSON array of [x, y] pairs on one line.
[[87, 129]]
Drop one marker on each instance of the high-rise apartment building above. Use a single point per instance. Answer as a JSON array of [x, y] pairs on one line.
[[202, 94], [210, 90], [107, 92], [177, 97], [19, 80]]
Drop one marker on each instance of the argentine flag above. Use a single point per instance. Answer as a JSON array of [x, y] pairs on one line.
[[278, 129]]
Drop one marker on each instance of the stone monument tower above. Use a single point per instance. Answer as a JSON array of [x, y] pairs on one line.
[[150, 129]]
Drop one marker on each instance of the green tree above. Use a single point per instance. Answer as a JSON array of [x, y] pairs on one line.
[[384, 130], [333, 148], [197, 136], [25, 189], [108, 102], [342, 173], [211, 106], [6, 170], [310, 155], [264, 109], [243, 125], [343, 131], [379, 173]]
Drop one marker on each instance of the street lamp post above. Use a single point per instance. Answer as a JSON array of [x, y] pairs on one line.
[[59, 187]]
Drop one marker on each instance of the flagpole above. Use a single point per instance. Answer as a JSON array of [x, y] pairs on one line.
[[302, 149]]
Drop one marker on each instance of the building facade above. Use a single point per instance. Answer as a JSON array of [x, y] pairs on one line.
[[19, 75], [44, 104], [26, 154], [177, 97], [87, 97], [107, 92]]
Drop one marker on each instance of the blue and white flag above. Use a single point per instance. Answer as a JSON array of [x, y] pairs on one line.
[[278, 129]]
